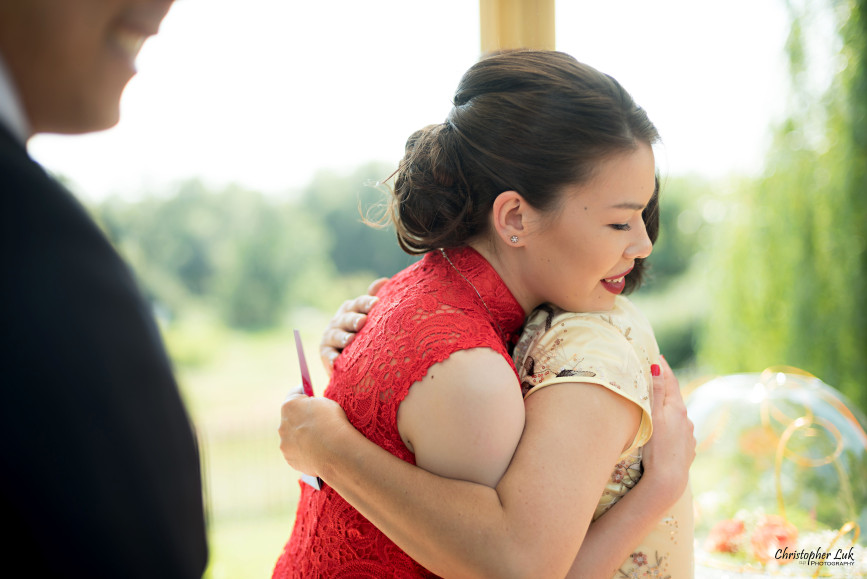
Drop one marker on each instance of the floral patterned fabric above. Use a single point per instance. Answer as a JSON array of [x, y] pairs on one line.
[[424, 314], [615, 350]]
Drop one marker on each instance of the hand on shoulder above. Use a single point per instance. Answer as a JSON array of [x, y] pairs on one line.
[[669, 453], [347, 321]]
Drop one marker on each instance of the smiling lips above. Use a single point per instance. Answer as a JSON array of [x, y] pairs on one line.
[[616, 284]]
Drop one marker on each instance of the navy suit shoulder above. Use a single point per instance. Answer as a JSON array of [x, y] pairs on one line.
[[99, 468]]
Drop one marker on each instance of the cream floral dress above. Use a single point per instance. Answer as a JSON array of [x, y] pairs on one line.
[[615, 350]]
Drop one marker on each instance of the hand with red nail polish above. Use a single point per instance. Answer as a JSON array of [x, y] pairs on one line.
[[671, 449]]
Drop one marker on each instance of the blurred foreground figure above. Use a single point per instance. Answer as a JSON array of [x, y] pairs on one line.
[[99, 469]]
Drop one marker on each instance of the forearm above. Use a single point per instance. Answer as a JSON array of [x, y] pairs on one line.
[[614, 536], [531, 525], [453, 528]]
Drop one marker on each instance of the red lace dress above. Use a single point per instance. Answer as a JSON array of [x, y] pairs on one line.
[[425, 313]]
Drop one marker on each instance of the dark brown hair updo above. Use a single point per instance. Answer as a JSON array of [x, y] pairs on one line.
[[527, 121]]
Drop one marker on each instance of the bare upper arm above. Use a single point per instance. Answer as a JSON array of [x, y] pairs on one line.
[[463, 420], [573, 436]]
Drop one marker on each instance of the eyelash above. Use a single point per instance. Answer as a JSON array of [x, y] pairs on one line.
[[621, 226]]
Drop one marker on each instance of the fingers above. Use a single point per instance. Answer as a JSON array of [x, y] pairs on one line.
[[664, 364], [349, 319], [359, 305], [352, 315], [295, 393], [672, 386], [305, 422], [327, 356], [659, 391], [339, 332], [333, 341], [377, 284]]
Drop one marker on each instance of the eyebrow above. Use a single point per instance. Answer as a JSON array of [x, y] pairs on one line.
[[628, 205]]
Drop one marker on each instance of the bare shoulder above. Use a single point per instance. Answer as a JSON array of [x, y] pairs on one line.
[[465, 417]]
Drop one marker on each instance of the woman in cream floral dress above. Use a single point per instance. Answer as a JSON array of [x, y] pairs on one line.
[[613, 349]]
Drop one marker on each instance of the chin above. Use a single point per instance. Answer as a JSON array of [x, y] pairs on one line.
[[105, 124], [100, 120], [603, 304], [79, 120], [97, 109], [104, 117]]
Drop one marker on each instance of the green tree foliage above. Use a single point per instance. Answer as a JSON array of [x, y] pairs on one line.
[[263, 256], [343, 202], [168, 241], [670, 298], [687, 212], [790, 267], [183, 229], [234, 251], [251, 258]]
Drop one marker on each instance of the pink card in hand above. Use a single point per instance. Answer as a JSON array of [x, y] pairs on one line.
[[302, 361], [307, 384]]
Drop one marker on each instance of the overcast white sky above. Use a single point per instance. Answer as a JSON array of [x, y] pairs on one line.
[[266, 92]]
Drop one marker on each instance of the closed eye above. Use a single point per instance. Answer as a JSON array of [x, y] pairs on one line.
[[621, 226]]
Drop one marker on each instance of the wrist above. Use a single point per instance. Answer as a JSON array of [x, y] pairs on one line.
[[331, 449], [659, 492]]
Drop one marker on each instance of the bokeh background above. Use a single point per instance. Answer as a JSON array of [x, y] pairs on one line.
[[256, 132]]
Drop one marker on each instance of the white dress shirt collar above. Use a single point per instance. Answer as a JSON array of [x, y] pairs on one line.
[[12, 114]]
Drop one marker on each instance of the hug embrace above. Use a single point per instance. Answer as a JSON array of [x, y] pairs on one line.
[[504, 410]]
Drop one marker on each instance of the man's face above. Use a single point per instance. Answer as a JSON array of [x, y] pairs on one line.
[[71, 59]]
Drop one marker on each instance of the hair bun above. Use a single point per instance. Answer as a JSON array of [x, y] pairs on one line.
[[431, 194]]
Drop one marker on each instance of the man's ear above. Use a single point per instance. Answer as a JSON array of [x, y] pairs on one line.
[[513, 218]]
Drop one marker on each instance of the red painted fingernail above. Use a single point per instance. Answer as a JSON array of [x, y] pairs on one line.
[[655, 370]]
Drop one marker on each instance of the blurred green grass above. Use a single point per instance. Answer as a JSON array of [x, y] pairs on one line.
[[233, 384]]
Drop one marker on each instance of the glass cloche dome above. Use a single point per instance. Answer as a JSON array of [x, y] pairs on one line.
[[779, 479]]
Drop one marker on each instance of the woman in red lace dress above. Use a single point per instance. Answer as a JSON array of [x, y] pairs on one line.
[[539, 187]]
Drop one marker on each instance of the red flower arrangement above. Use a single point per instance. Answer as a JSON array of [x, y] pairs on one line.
[[725, 536], [771, 534]]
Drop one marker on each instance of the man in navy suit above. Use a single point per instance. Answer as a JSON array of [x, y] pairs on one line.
[[99, 468]]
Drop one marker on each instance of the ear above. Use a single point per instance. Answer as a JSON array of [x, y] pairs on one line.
[[512, 217]]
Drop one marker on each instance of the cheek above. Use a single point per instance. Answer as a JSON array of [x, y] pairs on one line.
[[584, 250], [593, 265], [71, 53]]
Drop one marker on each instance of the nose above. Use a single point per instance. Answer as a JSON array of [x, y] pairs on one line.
[[641, 246]]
